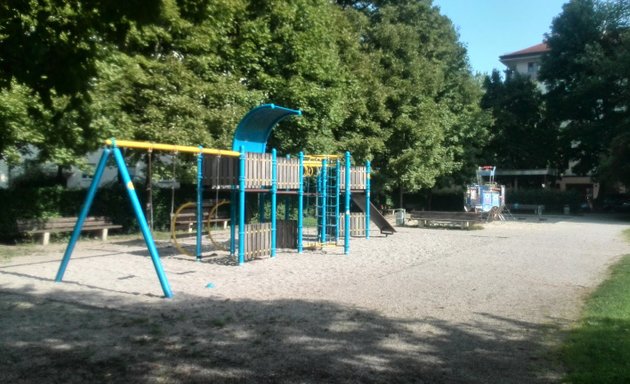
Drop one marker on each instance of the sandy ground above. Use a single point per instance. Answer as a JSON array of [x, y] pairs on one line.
[[421, 306]]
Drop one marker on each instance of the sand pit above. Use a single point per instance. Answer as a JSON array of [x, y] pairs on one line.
[[421, 306]]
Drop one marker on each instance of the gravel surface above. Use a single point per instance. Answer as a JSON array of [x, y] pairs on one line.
[[421, 306]]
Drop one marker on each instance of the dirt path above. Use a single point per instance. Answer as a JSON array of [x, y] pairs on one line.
[[422, 306]]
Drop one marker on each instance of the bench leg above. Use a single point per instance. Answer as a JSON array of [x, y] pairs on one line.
[[225, 224], [104, 233], [45, 238]]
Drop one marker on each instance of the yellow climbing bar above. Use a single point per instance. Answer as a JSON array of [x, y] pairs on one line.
[[170, 147]]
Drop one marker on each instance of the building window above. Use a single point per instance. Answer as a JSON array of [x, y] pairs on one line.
[[532, 67]]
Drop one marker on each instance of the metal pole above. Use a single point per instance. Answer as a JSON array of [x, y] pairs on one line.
[[98, 174], [144, 227], [337, 193], [169, 147], [241, 207], [274, 190], [346, 243], [300, 218], [324, 185], [367, 199], [200, 202]]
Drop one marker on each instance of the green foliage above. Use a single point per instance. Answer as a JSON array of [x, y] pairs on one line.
[[48, 51], [587, 76], [421, 103], [597, 350], [387, 80], [21, 120], [521, 138]]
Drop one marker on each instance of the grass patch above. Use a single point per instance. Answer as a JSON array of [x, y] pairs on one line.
[[8, 252], [597, 350]]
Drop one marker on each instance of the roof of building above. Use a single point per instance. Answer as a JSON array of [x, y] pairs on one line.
[[535, 49]]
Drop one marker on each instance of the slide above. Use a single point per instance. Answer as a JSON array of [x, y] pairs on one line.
[[375, 214]]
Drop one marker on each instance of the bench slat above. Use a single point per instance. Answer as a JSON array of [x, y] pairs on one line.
[[69, 229]]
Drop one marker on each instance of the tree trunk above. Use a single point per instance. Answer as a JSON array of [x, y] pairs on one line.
[[400, 196], [60, 179]]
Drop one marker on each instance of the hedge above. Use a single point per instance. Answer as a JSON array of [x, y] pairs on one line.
[[56, 201]]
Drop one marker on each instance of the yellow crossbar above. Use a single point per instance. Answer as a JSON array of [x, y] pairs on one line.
[[320, 157], [170, 147]]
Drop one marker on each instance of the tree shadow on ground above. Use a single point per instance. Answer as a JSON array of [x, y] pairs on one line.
[[53, 339]]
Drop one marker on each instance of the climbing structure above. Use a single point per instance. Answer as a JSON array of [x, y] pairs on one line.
[[248, 169]]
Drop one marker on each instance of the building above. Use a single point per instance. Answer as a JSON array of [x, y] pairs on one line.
[[526, 61], [75, 177]]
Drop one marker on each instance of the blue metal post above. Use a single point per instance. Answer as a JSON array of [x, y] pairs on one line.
[[233, 201], [346, 242], [241, 206], [98, 174], [300, 217], [324, 186], [142, 221], [367, 199], [337, 193], [274, 190], [199, 202]]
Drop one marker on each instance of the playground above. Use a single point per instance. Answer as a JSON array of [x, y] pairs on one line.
[[423, 305], [329, 180], [288, 273]]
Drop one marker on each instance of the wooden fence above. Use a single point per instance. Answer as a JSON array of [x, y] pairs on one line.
[[286, 234], [222, 172], [258, 238], [357, 225], [358, 178]]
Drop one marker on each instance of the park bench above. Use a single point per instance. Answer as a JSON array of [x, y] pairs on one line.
[[64, 224], [460, 219], [536, 208], [187, 218]]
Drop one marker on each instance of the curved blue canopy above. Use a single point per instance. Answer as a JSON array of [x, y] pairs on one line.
[[255, 127]]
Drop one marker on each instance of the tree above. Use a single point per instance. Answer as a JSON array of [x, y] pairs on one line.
[[424, 104], [521, 137], [587, 76], [48, 51], [387, 80]]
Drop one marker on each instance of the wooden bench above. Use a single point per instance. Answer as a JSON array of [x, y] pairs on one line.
[[188, 220], [187, 217], [461, 219], [536, 208], [64, 224]]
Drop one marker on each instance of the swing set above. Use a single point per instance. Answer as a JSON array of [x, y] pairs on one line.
[[247, 168]]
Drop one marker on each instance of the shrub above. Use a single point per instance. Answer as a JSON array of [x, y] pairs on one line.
[[552, 199]]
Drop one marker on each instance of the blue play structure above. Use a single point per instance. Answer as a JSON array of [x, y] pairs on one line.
[[329, 181], [255, 127], [486, 193]]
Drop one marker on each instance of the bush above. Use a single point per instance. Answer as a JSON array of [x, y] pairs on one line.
[[110, 201], [552, 199]]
